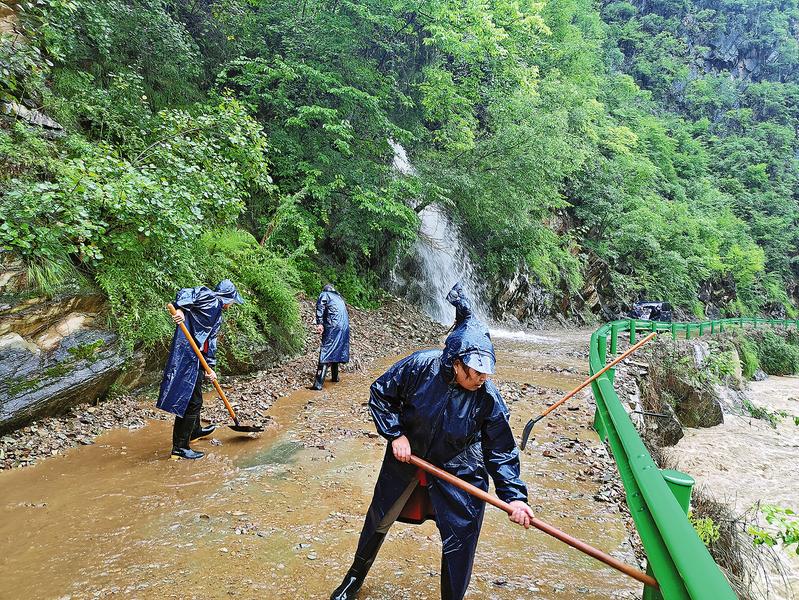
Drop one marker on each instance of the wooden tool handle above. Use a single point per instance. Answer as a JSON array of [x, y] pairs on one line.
[[204, 364], [537, 523], [599, 373]]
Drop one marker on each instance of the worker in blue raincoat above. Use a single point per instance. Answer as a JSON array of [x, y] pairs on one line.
[[181, 392], [333, 322], [442, 407]]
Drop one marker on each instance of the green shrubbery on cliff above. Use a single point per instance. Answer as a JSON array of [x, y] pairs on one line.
[[548, 130]]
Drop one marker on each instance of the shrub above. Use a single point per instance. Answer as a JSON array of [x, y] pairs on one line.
[[776, 356], [706, 528], [747, 350], [271, 282]]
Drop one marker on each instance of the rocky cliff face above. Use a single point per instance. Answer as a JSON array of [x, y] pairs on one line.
[[54, 352], [739, 41], [521, 300]]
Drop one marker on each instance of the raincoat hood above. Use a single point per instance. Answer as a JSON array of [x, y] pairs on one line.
[[227, 293], [470, 340]]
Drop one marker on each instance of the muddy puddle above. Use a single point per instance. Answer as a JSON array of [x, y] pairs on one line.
[[277, 515]]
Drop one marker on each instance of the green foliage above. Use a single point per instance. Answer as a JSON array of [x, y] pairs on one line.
[[747, 351], [107, 37], [361, 291], [86, 351], [687, 55], [776, 355], [268, 279], [759, 412], [557, 135], [706, 528], [722, 364], [128, 199], [784, 527]]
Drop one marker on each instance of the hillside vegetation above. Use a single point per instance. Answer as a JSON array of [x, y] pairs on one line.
[[249, 139]]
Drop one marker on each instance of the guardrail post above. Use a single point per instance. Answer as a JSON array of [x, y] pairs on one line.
[[632, 331], [614, 337], [599, 424], [701, 329], [721, 326], [602, 347], [688, 331], [681, 485]]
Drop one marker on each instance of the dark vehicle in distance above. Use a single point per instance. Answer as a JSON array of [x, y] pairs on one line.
[[652, 311]]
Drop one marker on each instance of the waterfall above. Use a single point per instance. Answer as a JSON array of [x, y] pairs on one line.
[[437, 260]]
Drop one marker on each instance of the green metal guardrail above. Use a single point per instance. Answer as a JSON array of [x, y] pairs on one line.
[[659, 499]]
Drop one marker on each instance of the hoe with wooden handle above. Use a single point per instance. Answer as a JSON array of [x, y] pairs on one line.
[[537, 523], [236, 426], [529, 427]]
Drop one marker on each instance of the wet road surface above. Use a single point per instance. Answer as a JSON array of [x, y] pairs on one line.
[[278, 515]]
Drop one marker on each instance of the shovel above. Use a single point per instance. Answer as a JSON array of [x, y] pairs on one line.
[[537, 523], [529, 427], [237, 426]]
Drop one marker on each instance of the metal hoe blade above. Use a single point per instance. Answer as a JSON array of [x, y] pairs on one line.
[[528, 430], [247, 428]]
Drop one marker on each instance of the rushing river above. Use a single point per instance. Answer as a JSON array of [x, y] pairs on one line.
[[745, 460], [278, 516]]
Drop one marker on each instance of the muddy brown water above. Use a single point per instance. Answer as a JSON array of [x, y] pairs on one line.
[[744, 461], [277, 515]]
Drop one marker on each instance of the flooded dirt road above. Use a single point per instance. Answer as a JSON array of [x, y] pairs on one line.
[[278, 515]]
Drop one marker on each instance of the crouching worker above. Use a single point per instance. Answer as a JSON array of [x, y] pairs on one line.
[[442, 407], [333, 322], [181, 392]]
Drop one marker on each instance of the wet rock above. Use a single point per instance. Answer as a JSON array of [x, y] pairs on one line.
[[731, 400], [759, 375], [84, 365], [671, 381], [665, 431], [49, 127], [521, 298]]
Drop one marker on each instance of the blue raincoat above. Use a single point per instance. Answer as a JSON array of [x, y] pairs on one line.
[[202, 308], [466, 433], [331, 313]]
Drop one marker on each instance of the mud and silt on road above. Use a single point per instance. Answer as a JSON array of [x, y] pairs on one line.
[[277, 515]]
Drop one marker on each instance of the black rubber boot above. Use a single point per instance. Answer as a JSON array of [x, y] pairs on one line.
[[348, 588], [334, 372], [188, 453], [321, 371], [200, 432], [181, 433], [353, 580]]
